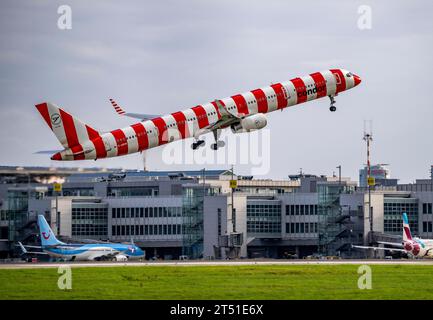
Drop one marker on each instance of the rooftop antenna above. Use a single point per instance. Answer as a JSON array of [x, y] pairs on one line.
[[368, 137]]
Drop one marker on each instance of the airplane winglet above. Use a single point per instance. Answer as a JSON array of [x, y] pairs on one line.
[[140, 116]]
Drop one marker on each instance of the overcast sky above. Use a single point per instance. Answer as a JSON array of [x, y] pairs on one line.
[[162, 56]]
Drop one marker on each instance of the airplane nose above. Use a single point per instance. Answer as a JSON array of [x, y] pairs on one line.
[[357, 79], [57, 156]]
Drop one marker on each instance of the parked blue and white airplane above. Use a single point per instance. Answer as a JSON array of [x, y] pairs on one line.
[[95, 251]]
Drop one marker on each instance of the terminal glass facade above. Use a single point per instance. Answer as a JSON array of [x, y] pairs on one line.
[[264, 217], [329, 213], [192, 219], [139, 191], [90, 220], [18, 201]]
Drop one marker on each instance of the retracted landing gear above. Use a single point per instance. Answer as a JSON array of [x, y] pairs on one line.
[[332, 108], [197, 144], [218, 143]]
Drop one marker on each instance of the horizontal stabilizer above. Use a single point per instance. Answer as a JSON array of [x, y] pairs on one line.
[[47, 151]]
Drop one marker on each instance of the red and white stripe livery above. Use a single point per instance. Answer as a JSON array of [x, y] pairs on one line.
[[241, 112]]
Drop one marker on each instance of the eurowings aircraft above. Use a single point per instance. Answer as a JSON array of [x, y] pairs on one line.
[[95, 251], [243, 112], [415, 247]]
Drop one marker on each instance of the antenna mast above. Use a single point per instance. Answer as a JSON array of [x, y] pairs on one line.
[[368, 137]]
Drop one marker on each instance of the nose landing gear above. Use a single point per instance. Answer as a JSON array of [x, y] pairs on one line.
[[332, 108]]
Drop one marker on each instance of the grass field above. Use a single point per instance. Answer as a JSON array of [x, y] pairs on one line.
[[221, 282]]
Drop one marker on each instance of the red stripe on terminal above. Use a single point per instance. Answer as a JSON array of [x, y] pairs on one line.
[[160, 125], [320, 83], [341, 85], [180, 119], [301, 90], [43, 110], [143, 140], [69, 126], [281, 99], [201, 115], [241, 104], [121, 141], [262, 101]]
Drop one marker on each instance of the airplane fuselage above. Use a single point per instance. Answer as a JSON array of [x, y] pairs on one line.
[[419, 248]]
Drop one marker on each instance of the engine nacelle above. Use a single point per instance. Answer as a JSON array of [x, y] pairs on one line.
[[254, 122]]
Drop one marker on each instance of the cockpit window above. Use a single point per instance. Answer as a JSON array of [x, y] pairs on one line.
[[349, 74]]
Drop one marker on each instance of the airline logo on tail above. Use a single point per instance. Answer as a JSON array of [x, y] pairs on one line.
[[46, 237]]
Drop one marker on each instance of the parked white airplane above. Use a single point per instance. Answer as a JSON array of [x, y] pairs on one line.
[[415, 247]]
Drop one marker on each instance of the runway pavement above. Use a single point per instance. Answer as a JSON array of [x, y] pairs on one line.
[[77, 264]]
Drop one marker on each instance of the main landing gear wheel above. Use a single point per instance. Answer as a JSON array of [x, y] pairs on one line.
[[197, 144], [332, 108]]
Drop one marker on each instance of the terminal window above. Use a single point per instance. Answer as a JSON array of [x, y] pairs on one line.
[[393, 216], [263, 218]]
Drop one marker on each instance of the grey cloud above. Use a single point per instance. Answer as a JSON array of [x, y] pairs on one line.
[[160, 57]]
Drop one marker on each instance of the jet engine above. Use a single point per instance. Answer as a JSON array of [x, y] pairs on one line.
[[254, 122]]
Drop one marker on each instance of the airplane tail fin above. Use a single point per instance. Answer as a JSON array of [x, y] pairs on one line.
[[69, 130], [406, 228], [47, 235]]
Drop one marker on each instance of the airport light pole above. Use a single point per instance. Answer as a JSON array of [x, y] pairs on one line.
[[233, 207], [368, 137], [431, 190]]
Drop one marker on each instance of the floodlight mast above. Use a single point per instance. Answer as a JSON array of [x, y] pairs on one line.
[[368, 137]]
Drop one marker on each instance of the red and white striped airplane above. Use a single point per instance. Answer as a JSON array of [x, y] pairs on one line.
[[242, 113]]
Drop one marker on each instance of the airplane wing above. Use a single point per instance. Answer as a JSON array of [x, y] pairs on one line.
[[379, 248], [24, 250], [33, 247], [140, 116], [394, 244]]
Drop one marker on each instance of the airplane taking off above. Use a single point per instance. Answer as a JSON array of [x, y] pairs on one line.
[[76, 252], [242, 113], [415, 247]]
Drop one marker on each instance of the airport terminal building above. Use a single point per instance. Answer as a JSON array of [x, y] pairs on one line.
[[198, 214]]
